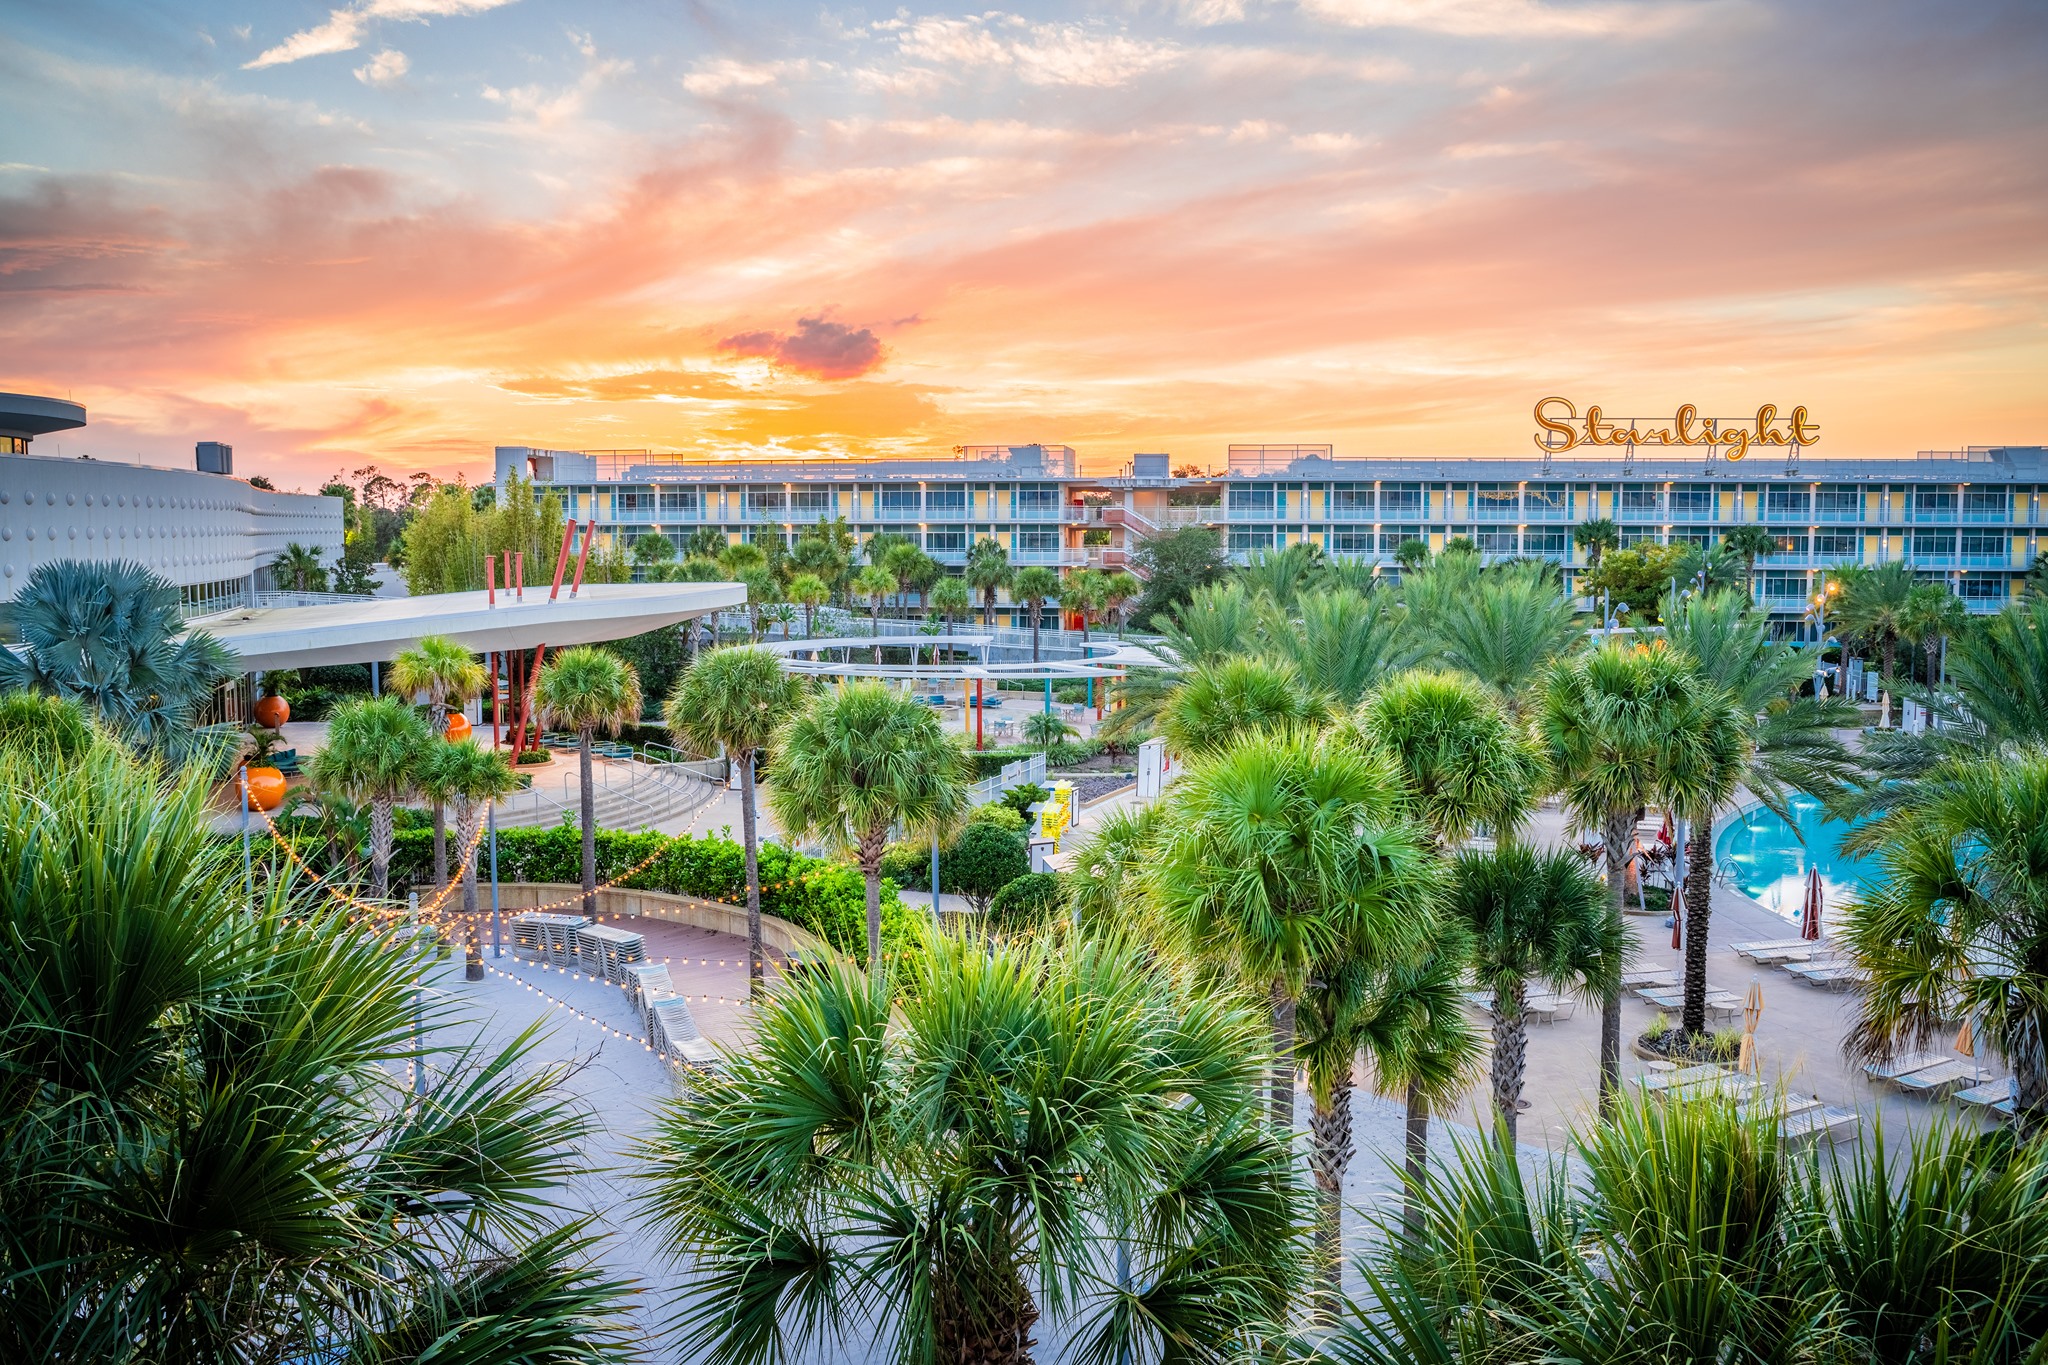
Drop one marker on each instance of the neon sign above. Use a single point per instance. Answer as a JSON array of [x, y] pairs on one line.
[[1688, 428]]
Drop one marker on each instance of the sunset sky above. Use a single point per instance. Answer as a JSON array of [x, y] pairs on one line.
[[404, 231]]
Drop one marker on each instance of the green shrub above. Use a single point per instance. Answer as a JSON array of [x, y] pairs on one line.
[[984, 860], [1022, 798], [1000, 814], [1029, 902], [1069, 752]]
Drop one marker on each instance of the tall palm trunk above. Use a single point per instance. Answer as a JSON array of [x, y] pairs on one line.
[[1510, 1053], [467, 818], [1699, 896], [1284, 1009], [757, 971], [875, 624], [869, 855], [1620, 825], [984, 1314], [440, 845], [1329, 1156], [1415, 1135], [1035, 613], [587, 809], [1887, 652], [380, 847]]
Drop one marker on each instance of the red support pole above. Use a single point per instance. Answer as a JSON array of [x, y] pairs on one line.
[[977, 713], [583, 553], [519, 575], [497, 703], [491, 578], [525, 710], [506, 573], [562, 558]]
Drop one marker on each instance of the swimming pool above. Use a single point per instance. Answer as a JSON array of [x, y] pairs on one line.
[[1769, 863]]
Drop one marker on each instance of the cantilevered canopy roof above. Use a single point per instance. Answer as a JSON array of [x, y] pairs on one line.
[[377, 630]]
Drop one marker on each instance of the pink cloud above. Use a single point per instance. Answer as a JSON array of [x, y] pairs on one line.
[[818, 347]]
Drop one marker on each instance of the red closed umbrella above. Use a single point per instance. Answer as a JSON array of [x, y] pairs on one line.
[[1809, 922]]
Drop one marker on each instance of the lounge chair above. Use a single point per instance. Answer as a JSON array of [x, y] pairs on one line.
[[1824, 1123], [1770, 945], [644, 980], [1727, 1085], [1944, 1076], [1903, 1065], [1659, 1081], [1542, 1008], [1648, 978], [1989, 1094], [1718, 1001], [1782, 957], [672, 1031], [1833, 974]]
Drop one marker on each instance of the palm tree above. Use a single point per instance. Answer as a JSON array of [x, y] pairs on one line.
[[1281, 575], [855, 762], [732, 700], [1282, 852], [1692, 1232], [1748, 543], [988, 573], [1610, 722], [1034, 586], [1220, 702], [1932, 616], [1119, 590], [1082, 593], [373, 750], [1873, 606], [1217, 622], [1508, 629], [300, 566], [472, 777], [113, 637], [1596, 538], [1412, 554], [1763, 736], [1045, 729], [1466, 764], [1341, 642], [213, 1155], [587, 690], [874, 583], [810, 592], [949, 1182], [1957, 927], [1534, 918], [949, 598], [447, 675], [1105, 883]]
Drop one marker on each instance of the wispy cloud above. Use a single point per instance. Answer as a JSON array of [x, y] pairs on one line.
[[344, 28], [386, 68]]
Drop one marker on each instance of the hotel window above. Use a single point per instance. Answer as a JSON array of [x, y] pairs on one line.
[[1981, 588], [1353, 540], [1790, 543], [1934, 504], [1692, 502], [899, 504], [1838, 545], [1933, 545], [767, 535], [945, 542], [1642, 504], [1547, 502], [947, 501], [1401, 500], [1251, 500], [810, 503], [1244, 539], [764, 504], [1639, 535], [1787, 504], [1351, 502], [1692, 535], [1838, 504], [1986, 504], [1980, 546], [632, 503], [1547, 543], [1782, 585], [1393, 538], [1496, 502], [684, 503], [1035, 500], [1036, 544], [1498, 540]]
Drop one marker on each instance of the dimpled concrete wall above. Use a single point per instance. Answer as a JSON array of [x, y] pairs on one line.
[[190, 527]]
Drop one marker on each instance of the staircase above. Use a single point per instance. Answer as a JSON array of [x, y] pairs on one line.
[[630, 795]]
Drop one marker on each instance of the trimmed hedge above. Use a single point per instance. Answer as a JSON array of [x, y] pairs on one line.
[[827, 898]]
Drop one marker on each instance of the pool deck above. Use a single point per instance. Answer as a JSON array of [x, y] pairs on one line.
[[1799, 1037]]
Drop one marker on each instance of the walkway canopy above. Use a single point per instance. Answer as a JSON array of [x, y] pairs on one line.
[[1108, 660], [379, 629]]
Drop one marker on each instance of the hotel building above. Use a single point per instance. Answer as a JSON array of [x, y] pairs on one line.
[[1973, 518]]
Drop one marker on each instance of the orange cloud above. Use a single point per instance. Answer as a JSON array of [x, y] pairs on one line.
[[819, 347]]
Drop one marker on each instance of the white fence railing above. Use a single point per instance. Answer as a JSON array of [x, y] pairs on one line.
[[1024, 772]]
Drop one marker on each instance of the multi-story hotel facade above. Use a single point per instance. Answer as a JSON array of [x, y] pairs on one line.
[[1974, 518]]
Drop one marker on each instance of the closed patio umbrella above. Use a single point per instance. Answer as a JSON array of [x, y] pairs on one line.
[[1809, 922], [1752, 1011]]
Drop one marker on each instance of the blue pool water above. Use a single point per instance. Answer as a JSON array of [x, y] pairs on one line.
[[1769, 863]]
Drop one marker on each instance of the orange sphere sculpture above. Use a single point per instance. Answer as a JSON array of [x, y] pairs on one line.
[[273, 711], [458, 727], [266, 788]]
